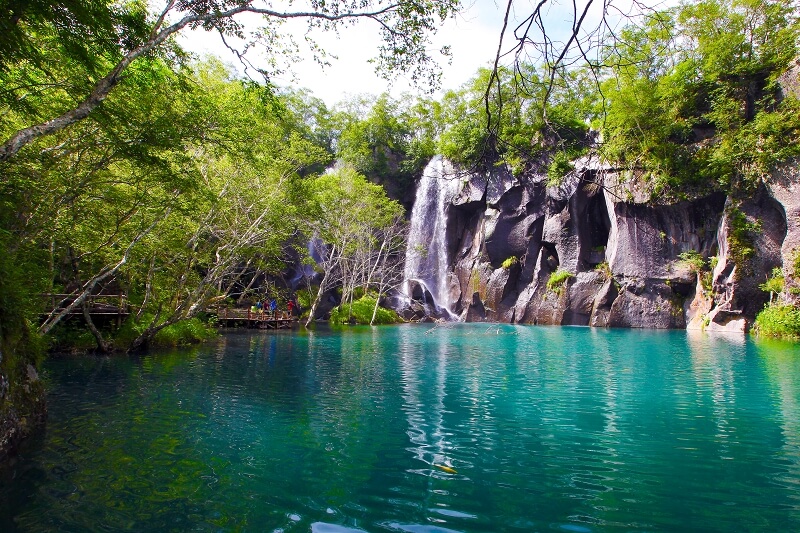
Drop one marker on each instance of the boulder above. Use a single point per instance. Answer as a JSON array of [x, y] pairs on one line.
[[646, 304], [475, 311]]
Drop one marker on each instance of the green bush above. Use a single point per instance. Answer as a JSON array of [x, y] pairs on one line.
[[559, 167], [69, 337], [693, 259], [182, 333], [741, 237], [774, 285], [362, 313], [605, 269], [558, 279], [511, 261], [796, 263], [778, 320]]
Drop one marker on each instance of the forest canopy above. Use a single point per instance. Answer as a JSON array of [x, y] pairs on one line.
[[131, 165]]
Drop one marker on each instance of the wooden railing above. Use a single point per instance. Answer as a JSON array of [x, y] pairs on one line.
[[99, 304], [225, 313]]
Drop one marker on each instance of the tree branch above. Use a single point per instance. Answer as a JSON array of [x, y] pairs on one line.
[[105, 85]]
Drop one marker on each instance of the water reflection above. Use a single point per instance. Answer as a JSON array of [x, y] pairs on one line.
[[548, 429], [779, 359]]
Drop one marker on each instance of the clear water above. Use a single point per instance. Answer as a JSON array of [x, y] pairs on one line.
[[546, 429]]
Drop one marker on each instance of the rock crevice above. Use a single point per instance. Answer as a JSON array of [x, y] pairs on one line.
[[582, 254]]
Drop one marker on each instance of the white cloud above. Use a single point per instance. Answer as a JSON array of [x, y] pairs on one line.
[[472, 36]]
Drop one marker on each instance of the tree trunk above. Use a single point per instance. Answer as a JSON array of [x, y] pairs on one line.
[[55, 317], [317, 299], [375, 310], [102, 345]]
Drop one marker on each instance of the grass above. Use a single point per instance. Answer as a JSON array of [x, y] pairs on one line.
[[605, 269], [778, 320], [558, 279], [362, 313]]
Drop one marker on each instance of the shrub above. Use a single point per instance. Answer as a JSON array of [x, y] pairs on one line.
[[510, 262], [796, 263], [559, 167], [707, 281], [693, 260], [69, 337], [778, 320], [558, 279], [774, 285], [185, 332], [362, 313], [605, 269], [740, 237]]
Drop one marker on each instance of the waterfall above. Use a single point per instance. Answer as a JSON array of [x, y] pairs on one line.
[[426, 252]]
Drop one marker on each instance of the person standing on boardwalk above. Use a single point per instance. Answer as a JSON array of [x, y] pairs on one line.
[[290, 306]]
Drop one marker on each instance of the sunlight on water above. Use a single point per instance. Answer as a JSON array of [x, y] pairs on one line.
[[464, 427]]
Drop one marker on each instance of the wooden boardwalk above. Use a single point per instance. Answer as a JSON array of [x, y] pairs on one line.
[[100, 306], [254, 319]]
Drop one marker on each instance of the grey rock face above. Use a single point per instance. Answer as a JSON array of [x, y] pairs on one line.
[[507, 237], [648, 239], [785, 190]]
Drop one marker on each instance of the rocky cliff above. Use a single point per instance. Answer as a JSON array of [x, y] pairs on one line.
[[594, 252]]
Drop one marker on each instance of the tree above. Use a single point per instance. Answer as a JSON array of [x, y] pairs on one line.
[[525, 137], [256, 207], [385, 143], [387, 266], [404, 26], [351, 217], [705, 70]]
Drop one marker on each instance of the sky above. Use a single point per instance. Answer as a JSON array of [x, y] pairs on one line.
[[473, 37]]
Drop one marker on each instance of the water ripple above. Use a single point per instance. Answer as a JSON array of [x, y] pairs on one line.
[[566, 429]]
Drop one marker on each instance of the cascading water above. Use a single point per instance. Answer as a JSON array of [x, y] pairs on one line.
[[426, 253]]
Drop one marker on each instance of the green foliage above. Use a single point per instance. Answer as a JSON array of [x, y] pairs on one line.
[[693, 259], [81, 28], [522, 131], [191, 181], [558, 279], [796, 263], [361, 313], [704, 70], [304, 298], [559, 167], [778, 320], [191, 331], [390, 144], [20, 345], [605, 269], [510, 262], [741, 246], [185, 332], [775, 283], [71, 337], [348, 208]]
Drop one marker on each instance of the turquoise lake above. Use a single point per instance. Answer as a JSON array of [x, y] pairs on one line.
[[420, 429]]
